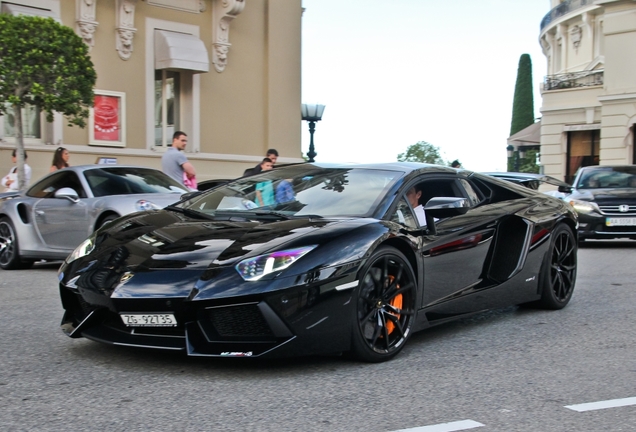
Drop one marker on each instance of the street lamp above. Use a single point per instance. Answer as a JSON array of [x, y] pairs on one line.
[[510, 151], [517, 155], [312, 114]]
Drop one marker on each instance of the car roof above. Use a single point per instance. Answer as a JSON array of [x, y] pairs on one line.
[[405, 167], [93, 166], [525, 177]]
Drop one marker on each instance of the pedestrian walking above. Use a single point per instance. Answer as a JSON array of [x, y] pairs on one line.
[[10, 181], [60, 159], [174, 161]]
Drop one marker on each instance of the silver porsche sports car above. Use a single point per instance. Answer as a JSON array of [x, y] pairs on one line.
[[63, 208]]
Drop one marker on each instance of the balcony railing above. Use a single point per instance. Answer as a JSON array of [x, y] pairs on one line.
[[573, 80], [563, 9]]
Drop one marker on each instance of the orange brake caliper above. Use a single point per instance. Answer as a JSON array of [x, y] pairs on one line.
[[396, 302]]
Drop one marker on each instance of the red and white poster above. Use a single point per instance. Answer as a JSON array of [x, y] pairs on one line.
[[107, 123]]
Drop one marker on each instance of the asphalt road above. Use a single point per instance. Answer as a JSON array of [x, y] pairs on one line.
[[509, 370]]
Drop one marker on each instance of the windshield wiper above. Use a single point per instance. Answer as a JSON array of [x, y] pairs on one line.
[[275, 214], [189, 212]]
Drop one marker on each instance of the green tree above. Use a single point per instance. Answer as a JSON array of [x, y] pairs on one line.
[[529, 163], [523, 102], [43, 64], [422, 152]]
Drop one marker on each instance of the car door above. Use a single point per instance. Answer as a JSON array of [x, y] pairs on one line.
[[61, 223], [456, 253]]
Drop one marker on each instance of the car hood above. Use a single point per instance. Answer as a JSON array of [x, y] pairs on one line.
[[129, 200], [166, 254]]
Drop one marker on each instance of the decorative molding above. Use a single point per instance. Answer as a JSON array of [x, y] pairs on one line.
[[202, 6], [125, 28], [575, 34], [85, 22], [224, 11], [192, 6]]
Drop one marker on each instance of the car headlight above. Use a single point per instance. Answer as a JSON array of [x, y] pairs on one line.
[[143, 205], [584, 207], [252, 269], [86, 247]]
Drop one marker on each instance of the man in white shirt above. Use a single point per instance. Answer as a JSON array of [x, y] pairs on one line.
[[413, 195], [10, 181]]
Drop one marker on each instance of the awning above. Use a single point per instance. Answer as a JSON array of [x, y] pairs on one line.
[[14, 9], [530, 136], [180, 51]]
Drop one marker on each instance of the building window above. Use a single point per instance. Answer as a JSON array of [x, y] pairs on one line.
[[167, 112], [583, 150], [31, 123], [173, 97]]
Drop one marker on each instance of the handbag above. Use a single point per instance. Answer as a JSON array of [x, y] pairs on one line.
[[190, 182]]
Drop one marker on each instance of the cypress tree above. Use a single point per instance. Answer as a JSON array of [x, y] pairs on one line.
[[523, 103]]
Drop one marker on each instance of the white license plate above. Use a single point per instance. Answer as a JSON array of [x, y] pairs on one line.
[[620, 221], [149, 320]]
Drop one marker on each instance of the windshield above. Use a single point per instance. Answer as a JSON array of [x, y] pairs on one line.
[[608, 177], [123, 180], [300, 190]]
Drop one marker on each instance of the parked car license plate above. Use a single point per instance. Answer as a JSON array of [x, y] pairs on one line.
[[149, 320], [620, 221]]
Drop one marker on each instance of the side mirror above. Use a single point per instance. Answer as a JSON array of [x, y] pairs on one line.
[[442, 207], [565, 189], [446, 206], [67, 193]]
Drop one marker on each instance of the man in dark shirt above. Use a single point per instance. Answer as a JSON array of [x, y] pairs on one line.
[[265, 165], [272, 155]]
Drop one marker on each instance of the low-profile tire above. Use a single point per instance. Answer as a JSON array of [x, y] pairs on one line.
[[107, 219], [385, 309], [9, 251], [558, 274]]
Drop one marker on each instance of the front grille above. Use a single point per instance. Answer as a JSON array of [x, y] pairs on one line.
[[86, 308], [240, 320], [615, 210]]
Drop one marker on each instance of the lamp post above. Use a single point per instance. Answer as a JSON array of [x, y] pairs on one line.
[[312, 114], [510, 151], [517, 155]]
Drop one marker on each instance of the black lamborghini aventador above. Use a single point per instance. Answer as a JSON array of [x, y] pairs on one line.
[[319, 258]]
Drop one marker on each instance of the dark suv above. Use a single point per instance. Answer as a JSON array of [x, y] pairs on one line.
[[604, 197]]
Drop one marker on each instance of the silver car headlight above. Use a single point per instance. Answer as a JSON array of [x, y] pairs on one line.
[[584, 207], [143, 205], [85, 248], [252, 269]]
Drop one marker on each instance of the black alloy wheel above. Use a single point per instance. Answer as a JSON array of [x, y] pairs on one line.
[[559, 273], [385, 306]]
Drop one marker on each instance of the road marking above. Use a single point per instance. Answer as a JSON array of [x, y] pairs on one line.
[[591, 406], [445, 427]]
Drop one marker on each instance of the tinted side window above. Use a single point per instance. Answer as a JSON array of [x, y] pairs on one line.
[[442, 187], [46, 188], [404, 215], [472, 194]]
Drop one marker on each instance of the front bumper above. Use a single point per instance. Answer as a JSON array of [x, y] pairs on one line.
[[300, 320], [594, 226]]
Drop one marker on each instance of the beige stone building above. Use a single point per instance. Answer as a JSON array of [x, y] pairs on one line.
[[589, 94], [227, 72]]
